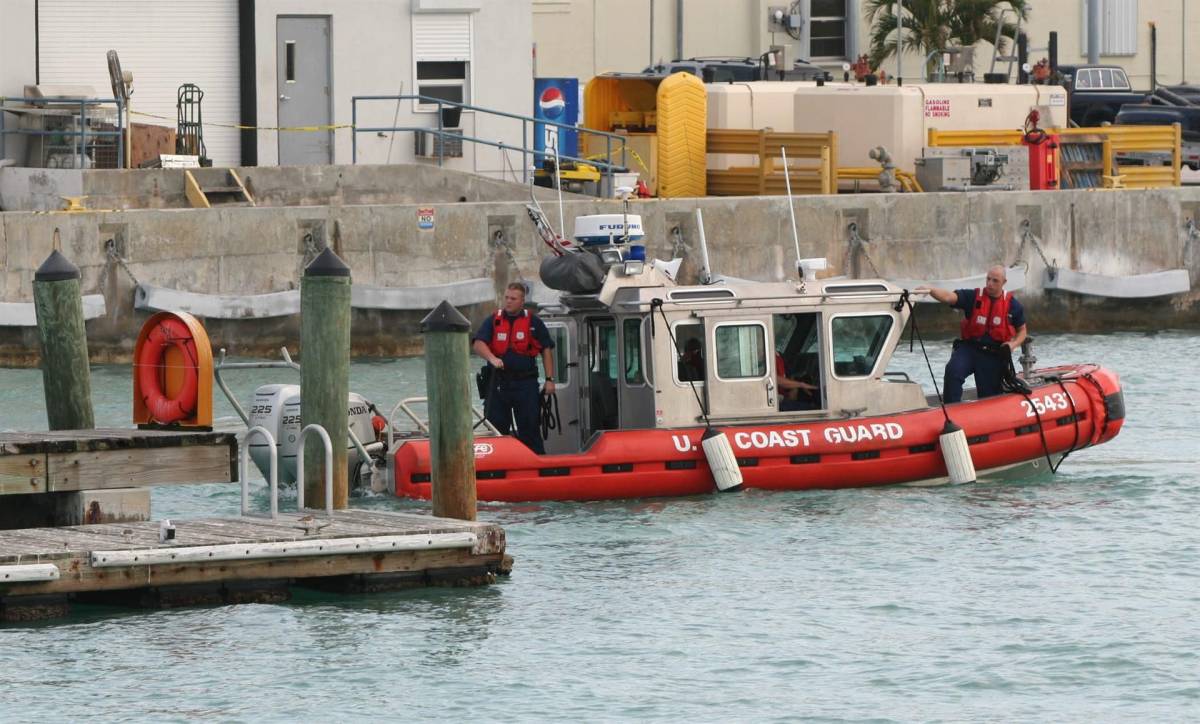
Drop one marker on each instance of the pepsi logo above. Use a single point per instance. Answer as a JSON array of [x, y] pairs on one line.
[[552, 104]]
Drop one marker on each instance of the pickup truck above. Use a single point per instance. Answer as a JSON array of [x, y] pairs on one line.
[[1096, 92], [1100, 94]]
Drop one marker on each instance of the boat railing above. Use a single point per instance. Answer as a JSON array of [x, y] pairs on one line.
[[422, 424], [284, 363]]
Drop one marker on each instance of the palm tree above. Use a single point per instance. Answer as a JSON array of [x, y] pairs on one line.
[[931, 25]]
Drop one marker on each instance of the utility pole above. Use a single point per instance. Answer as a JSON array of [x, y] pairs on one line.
[[1093, 32], [897, 8]]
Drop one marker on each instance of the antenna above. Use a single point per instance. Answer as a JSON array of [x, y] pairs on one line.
[[558, 183], [787, 180], [705, 272]]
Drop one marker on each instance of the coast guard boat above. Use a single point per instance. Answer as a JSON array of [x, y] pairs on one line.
[[648, 371]]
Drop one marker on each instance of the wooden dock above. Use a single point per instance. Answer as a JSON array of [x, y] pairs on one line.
[[243, 559], [69, 477]]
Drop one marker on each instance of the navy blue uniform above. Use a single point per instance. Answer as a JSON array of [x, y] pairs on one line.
[[969, 359], [515, 391]]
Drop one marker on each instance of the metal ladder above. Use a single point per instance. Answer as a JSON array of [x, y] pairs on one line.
[[996, 56], [273, 468]]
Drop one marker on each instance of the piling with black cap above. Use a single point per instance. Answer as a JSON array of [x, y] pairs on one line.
[[325, 372], [451, 434], [66, 377]]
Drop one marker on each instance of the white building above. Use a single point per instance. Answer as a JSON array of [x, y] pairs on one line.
[[581, 38], [267, 64]]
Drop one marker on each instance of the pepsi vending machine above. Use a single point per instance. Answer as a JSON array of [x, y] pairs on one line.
[[555, 100]]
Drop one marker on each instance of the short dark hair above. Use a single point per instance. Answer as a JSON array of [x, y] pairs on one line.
[[518, 287]]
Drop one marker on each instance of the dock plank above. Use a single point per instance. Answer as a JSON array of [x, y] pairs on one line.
[[22, 473], [71, 548], [137, 467]]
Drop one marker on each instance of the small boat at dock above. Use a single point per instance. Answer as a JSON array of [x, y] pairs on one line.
[[647, 368]]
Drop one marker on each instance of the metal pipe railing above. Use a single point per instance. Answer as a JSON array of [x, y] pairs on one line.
[[82, 132], [607, 166], [272, 476], [328, 446]]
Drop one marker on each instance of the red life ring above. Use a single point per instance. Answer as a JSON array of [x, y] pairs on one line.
[[170, 332]]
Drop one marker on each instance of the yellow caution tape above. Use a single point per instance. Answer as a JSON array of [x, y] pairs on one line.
[[241, 127]]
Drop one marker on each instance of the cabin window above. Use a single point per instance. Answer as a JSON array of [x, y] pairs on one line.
[[858, 342], [631, 330], [689, 352], [562, 353], [741, 351]]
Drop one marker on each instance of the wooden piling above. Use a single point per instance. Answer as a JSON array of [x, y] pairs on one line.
[[325, 372], [451, 434], [66, 376]]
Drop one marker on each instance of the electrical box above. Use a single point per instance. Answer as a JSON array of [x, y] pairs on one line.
[[950, 173], [778, 55]]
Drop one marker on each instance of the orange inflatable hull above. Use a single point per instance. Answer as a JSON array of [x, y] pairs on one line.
[[1086, 408]]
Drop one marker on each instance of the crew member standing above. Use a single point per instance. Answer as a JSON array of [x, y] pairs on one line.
[[510, 340], [993, 326]]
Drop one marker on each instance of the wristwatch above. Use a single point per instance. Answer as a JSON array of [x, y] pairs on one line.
[[549, 379]]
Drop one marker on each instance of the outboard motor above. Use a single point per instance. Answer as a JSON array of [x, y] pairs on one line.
[[277, 408]]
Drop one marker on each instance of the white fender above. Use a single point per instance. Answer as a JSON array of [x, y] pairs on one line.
[[957, 454], [719, 454]]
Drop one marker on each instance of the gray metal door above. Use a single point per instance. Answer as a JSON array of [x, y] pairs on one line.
[[302, 47]]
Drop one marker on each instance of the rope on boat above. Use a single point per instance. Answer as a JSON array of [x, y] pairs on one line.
[[657, 303], [548, 418]]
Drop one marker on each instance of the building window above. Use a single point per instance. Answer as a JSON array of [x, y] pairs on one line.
[[858, 342], [827, 29], [1118, 27], [444, 79], [741, 351], [442, 57]]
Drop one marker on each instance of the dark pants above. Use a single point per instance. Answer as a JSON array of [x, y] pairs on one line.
[[520, 399], [969, 359]]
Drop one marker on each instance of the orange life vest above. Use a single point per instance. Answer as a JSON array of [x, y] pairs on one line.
[[989, 318], [518, 335]]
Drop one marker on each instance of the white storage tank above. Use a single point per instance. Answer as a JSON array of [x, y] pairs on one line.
[[896, 117]]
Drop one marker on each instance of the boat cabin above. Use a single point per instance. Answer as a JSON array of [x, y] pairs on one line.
[[644, 352]]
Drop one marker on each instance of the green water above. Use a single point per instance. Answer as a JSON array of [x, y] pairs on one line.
[[1066, 598]]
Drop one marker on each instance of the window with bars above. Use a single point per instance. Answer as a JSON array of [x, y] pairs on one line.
[[1118, 27], [827, 29]]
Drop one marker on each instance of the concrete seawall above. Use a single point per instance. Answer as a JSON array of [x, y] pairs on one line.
[[925, 236]]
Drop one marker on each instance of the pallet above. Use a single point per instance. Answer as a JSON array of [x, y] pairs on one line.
[[233, 560]]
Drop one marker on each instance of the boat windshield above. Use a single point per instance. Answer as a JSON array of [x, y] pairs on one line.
[[857, 343]]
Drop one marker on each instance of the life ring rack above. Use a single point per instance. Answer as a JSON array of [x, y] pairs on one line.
[[172, 373]]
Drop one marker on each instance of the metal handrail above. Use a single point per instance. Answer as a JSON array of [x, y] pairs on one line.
[[422, 425], [320, 431], [82, 133], [273, 474], [609, 138]]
